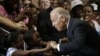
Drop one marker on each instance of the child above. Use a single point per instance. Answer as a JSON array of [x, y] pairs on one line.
[[34, 41], [16, 42]]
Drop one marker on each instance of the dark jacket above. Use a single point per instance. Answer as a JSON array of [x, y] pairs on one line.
[[84, 39]]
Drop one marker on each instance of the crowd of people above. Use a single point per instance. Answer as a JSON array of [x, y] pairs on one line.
[[54, 28]]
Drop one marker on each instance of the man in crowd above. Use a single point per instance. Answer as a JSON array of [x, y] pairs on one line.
[[83, 39]]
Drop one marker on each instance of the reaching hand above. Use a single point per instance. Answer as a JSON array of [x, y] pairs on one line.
[[21, 26], [53, 44]]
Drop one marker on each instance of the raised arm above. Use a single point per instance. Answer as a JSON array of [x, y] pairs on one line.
[[8, 22]]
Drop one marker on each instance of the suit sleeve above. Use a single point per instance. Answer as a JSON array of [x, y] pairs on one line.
[[79, 33]]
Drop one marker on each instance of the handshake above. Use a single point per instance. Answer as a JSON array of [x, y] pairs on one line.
[[51, 46], [55, 45]]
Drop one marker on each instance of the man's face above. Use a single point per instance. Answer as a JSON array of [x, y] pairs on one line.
[[58, 23], [45, 4]]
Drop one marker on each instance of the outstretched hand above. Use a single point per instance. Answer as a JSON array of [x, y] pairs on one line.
[[21, 26], [53, 44]]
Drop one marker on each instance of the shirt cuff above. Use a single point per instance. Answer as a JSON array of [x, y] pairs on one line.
[[58, 47]]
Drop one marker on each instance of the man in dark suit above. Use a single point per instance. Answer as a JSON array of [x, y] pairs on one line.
[[83, 39]]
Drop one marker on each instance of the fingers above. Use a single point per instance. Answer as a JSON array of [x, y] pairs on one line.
[[53, 44], [21, 26]]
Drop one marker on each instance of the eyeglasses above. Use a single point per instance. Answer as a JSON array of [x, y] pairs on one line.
[[27, 4]]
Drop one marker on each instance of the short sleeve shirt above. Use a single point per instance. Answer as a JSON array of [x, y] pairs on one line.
[[10, 51]]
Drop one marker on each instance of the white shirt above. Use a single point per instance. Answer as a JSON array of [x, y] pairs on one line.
[[97, 26], [10, 51]]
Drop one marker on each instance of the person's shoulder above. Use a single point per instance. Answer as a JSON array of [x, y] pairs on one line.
[[43, 13], [1, 6], [46, 10], [10, 51], [78, 22], [2, 10]]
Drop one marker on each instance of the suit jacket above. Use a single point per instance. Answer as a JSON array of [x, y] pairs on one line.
[[45, 28], [83, 39]]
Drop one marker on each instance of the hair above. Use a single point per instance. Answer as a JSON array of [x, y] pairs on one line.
[[89, 6], [68, 1], [12, 38], [39, 1], [8, 7], [59, 11], [99, 7], [29, 0], [75, 9], [28, 36], [56, 0]]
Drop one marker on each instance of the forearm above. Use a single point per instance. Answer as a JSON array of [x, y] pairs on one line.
[[7, 22], [28, 52], [21, 53], [35, 51], [20, 18]]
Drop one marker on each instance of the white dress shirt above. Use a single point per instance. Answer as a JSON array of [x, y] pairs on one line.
[[58, 45]]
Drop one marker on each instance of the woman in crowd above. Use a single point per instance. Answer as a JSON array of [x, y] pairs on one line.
[[34, 41], [88, 16], [15, 43], [6, 14], [66, 4]]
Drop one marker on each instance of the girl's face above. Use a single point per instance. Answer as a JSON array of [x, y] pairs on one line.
[[36, 38], [27, 3], [35, 12], [87, 13], [55, 3], [35, 15]]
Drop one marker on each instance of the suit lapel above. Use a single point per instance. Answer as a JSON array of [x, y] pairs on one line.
[[69, 28]]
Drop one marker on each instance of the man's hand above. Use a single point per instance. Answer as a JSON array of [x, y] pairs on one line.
[[53, 44], [48, 47]]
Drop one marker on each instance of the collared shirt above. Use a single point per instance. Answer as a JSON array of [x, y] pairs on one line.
[[58, 45]]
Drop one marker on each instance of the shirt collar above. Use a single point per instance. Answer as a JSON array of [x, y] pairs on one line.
[[68, 22]]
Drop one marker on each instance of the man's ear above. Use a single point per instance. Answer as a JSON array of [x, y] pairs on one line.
[[63, 18]]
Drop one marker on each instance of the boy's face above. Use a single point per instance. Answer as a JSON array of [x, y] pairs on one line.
[[36, 38]]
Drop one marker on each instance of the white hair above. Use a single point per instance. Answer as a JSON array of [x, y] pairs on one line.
[[59, 11]]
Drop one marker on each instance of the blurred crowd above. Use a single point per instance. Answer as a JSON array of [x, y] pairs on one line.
[[27, 30]]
